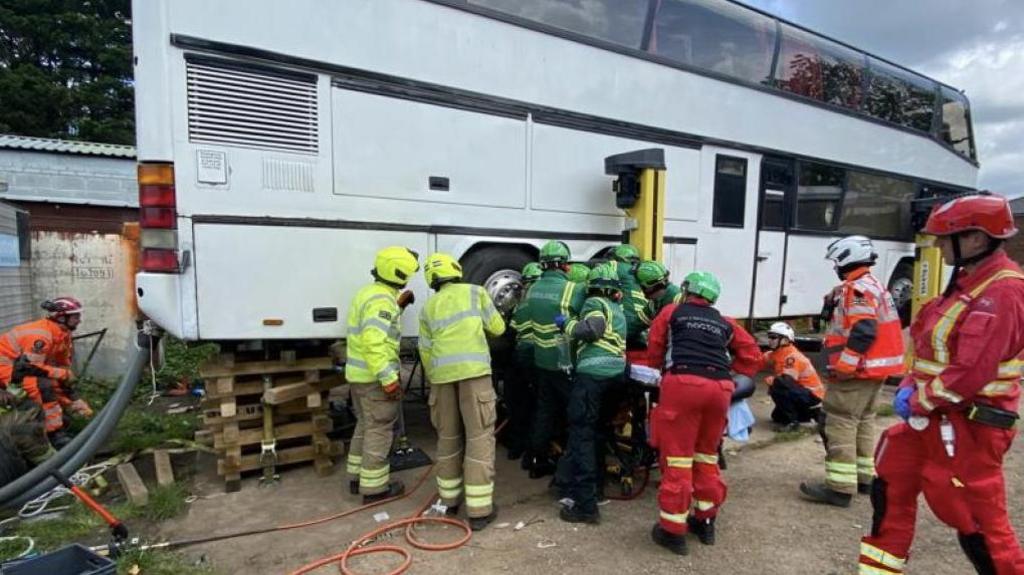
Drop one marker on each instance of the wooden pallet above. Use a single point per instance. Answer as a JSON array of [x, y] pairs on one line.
[[233, 413]]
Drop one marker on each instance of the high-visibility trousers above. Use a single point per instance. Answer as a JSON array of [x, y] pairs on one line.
[[686, 428], [965, 491], [463, 413], [371, 441], [850, 407]]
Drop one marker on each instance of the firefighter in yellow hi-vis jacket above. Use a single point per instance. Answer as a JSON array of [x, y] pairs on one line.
[[454, 326], [372, 370]]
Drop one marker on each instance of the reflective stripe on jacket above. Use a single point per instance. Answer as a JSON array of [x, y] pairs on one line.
[[551, 295], [452, 343], [374, 333], [788, 360], [873, 349], [605, 356], [44, 342]]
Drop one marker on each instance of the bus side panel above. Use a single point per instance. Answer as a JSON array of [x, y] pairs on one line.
[[248, 274], [403, 150], [809, 276]]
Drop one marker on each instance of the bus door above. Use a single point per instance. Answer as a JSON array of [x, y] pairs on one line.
[[778, 186]]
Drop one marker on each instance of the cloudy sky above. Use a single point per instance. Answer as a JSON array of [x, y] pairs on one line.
[[974, 45]]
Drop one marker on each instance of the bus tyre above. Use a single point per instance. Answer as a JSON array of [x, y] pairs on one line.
[[901, 286], [497, 269]]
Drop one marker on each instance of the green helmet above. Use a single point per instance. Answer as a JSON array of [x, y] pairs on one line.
[[603, 276], [626, 253], [650, 274], [703, 284], [531, 272], [554, 252], [579, 273]]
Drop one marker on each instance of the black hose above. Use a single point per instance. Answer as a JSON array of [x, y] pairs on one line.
[[81, 449]]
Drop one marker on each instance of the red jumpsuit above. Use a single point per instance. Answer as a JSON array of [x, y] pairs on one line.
[[968, 349], [47, 345], [687, 423]]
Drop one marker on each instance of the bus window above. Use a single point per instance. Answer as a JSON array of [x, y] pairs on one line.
[[777, 178], [718, 36], [730, 192], [956, 122], [817, 197], [877, 206], [812, 66], [901, 97], [618, 21]]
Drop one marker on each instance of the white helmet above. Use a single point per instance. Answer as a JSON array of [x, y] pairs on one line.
[[783, 329], [851, 250]]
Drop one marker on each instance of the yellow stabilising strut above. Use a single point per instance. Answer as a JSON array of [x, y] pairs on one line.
[[927, 272], [640, 190]]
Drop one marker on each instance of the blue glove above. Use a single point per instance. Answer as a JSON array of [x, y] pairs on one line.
[[560, 322], [901, 403]]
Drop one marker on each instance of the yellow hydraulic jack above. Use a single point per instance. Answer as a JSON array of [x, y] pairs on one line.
[[640, 190], [927, 272], [268, 447]]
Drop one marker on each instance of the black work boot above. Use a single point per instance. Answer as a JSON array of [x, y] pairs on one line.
[[353, 486], [573, 514], [864, 488], [821, 493], [395, 488], [452, 510], [478, 523], [672, 542], [704, 529], [540, 467]]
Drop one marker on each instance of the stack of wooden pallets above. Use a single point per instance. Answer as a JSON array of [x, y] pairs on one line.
[[295, 390]]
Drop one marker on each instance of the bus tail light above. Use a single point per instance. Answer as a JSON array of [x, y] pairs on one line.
[[158, 218]]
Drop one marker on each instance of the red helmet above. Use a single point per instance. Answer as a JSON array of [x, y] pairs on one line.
[[989, 214], [62, 306]]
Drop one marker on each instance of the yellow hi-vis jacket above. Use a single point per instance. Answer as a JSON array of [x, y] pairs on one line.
[[452, 343], [373, 335]]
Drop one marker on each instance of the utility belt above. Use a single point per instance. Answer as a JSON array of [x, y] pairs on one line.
[[992, 416], [708, 371]]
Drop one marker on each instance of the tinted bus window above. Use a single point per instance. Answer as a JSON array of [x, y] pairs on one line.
[[956, 122], [817, 68], [618, 21], [817, 196], [730, 192], [777, 178], [717, 36], [877, 206], [898, 96]]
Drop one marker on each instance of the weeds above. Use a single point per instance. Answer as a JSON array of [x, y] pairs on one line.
[[158, 563]]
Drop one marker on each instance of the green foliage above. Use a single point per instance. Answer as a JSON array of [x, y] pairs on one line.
[[158, 563], [165, 502], [141, 429], [886, 410], [182, 360], [66, 69]]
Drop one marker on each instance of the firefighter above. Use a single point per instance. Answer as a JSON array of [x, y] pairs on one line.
[[47, 345], [599, 335], [551, 295], [521, 390], [696, 347], [864, 345], [22, 430], [794, 385], [454, 326], [634, 302], [372, 369], [659, 291], [960, 401]]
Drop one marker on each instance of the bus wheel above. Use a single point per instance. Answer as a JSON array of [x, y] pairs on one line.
[[901, 286], [497, 268]]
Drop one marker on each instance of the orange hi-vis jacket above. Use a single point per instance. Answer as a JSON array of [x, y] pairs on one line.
[[48, 347], [788, 360], [865, 337]]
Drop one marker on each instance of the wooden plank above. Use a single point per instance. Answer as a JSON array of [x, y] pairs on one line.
[[132, 484], [164, 470], [228, 407], [284, 393], [225, 386], [314, 400], [243, 388], [255, 436], [324, 466], [204, 437], [212, 417], [251, 462], [210, 371]]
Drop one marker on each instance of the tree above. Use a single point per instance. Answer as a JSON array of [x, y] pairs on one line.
[[66, 69]]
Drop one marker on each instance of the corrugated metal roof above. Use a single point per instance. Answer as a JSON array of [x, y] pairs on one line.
[[12, 142]]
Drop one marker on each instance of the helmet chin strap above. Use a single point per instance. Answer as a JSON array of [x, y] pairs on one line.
[[959, 261]]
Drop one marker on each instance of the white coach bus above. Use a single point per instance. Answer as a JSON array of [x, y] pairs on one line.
[[282, 143]]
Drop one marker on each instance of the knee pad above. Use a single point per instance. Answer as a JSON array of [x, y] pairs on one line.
[[976, 549]]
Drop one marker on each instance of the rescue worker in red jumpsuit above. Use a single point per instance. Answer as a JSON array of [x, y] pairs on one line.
[[960, 401], [696, 348], [47, 345]]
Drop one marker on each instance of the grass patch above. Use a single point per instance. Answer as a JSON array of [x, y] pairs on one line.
[[164, 502], [142, 429], [886, 410], [783, 437], [159, 563]]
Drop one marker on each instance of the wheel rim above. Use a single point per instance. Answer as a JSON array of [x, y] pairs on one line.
[[902, 290], [505, 288]]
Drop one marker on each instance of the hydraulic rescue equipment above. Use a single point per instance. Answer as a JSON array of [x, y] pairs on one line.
[[640, 190]]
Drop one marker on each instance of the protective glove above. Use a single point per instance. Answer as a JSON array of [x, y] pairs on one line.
[[393, 390], [81, 407], [901, 403], [560, 322], [406, 299]]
